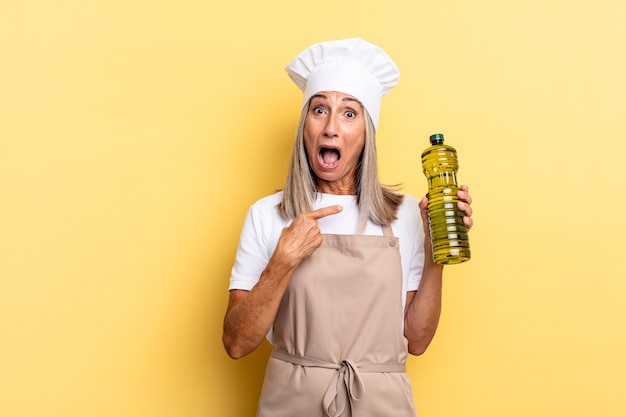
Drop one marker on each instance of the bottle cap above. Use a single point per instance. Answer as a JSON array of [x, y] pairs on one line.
[[436, 138]]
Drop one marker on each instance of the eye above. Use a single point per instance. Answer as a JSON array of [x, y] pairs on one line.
[[318, 110], [350, 114]]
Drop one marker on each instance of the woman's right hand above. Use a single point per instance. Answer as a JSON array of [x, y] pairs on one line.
[[302, 236]]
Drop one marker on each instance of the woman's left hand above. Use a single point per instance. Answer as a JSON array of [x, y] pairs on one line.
[[465, 205]]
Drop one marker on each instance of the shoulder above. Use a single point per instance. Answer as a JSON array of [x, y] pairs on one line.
[[266, 207], [410, 200], [409, 221], [264, 215], [269, 202], [409, 206]]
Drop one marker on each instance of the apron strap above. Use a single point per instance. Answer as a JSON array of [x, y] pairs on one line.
[[387, 230], [346, 384]]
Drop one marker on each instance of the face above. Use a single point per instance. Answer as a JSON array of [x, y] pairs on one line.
[[334, 137]]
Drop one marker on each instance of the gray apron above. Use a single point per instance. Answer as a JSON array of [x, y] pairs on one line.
[[339, 348]]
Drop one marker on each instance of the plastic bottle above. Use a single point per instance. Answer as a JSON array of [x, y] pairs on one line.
[[447, 230]]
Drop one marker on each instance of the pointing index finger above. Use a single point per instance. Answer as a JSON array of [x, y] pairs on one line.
[[325, 211]]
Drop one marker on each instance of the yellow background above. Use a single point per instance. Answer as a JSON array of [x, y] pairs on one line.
[[135, 134]]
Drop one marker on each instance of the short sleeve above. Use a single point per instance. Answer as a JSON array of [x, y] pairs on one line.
[[416, 260], [252, 252]]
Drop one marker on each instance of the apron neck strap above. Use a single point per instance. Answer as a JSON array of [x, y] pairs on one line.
[[387, 230]]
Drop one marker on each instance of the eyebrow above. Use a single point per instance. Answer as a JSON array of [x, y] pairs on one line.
[[343, 99]]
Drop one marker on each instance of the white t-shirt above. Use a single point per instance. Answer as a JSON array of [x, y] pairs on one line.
[[263, 226]]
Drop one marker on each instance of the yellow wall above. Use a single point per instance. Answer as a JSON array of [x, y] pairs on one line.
[[135, 134]]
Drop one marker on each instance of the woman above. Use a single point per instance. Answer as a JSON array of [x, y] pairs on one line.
[[336, 270]]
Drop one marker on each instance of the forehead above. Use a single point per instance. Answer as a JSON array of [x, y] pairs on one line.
[[334, 96]]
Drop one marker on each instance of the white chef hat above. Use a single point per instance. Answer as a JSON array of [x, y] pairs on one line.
[[350, 66]]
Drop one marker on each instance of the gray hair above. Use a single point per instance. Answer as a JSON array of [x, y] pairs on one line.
[[377, 202]]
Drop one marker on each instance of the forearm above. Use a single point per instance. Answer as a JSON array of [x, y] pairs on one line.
[[250, 315], [424, 309]]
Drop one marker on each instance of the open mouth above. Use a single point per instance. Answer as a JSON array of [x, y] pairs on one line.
[[329, 157]]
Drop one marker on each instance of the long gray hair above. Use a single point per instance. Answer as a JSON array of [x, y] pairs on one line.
[[377, 202]]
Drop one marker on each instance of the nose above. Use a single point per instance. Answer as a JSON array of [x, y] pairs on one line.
[[331, 128]]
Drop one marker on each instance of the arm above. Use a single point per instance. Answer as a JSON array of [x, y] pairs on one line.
[[423, 307], [250, 314]]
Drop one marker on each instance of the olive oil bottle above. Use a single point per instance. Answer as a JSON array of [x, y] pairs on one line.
[[447, 230]]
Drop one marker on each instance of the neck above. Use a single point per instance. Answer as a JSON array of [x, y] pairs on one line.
[[336, 187]]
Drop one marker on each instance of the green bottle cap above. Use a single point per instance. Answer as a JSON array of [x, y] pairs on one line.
[[436, 138]]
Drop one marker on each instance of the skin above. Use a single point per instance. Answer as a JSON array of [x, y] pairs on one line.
[[335, 120]]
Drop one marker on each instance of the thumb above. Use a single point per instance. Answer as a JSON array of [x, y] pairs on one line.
[[423, 205]]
